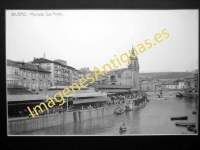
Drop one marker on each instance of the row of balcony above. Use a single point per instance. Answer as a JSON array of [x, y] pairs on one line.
[[33, 77], [57, 82]]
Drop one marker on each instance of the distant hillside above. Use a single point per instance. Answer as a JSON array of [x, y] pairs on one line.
[[167, 75]]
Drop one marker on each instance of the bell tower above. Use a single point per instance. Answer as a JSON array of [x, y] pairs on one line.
[[134, 62], [134, 68]]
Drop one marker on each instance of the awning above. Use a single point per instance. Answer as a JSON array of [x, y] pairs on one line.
[[14, 98], [91, 100], [133, 90], [114, 91]]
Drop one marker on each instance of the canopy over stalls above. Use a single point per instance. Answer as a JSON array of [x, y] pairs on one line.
[[91, 100], [115, 91]]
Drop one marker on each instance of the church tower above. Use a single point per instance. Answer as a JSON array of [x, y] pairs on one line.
[[134, 62], [134, 67]]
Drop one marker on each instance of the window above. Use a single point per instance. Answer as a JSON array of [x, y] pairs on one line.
[[29, 75], [44, 75], [24, 84], [33, 85], [29, 85], [24, 73]]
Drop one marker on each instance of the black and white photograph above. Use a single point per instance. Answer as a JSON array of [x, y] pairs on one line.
[[102, 72]]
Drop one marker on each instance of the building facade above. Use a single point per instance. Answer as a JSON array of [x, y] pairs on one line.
[[61, 73], [31, 76], [170, 86], [196, 80]]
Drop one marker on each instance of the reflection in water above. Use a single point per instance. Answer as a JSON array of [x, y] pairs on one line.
[[151, 118]]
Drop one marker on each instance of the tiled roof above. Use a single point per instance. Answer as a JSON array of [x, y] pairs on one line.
[[43, 60], [23, 65], [12, 63], [28, 66]]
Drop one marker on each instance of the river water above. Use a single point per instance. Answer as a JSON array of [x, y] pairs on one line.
[[152, 118]]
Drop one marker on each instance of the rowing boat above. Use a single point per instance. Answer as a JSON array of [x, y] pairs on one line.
[[179, 118], [185, 124]]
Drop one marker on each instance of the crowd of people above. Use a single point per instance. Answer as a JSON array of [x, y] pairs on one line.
[[115, 98]]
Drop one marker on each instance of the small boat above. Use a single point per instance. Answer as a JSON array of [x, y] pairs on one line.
[[128, 108], [191, 129], [119, 110], [123, 128], [194, 112], [179, 118], [185, 124], [179, 95]]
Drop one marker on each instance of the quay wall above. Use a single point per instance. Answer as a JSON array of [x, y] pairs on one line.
[[24, 124]]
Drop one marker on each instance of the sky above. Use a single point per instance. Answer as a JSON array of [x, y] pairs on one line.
[[90, 38]]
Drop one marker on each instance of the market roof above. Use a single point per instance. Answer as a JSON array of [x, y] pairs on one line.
[[91, 100], [78, 93], [113, 91], [61, 87], [14, 98], [102, 86]]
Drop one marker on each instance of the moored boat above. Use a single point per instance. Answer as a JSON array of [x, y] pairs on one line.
[[194, 112], [179, 95], [119, 110], [185, 124], [128, 107], [179, 118], [191, 129], [122, 128]]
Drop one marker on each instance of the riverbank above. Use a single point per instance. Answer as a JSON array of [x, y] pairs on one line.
[[24, 124]]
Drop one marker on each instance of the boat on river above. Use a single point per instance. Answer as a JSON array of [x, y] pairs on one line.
[[122, 128], [179, 118], [185, 124], [119, 110], [179, 95], [194, 112], [191, 129], [128, 107]]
